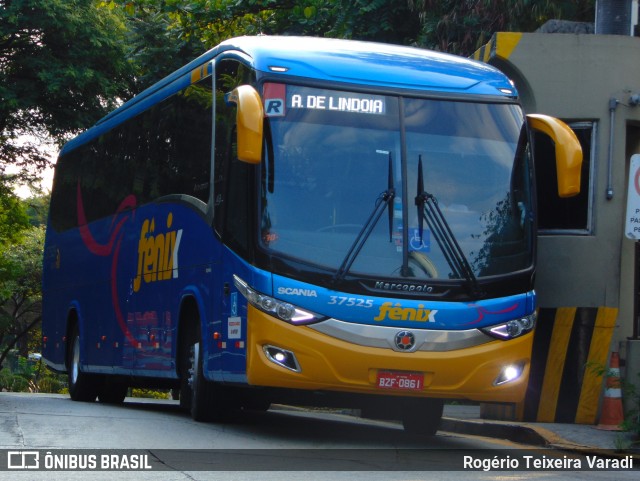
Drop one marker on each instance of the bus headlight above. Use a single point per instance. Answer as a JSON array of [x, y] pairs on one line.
[[513, 328], [282, 310]]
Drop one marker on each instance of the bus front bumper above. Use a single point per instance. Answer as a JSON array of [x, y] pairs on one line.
[[300, 357]]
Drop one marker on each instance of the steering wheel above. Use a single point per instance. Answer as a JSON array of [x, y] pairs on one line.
[[424, 263]]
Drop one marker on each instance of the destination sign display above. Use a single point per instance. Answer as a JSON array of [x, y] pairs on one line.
[[279, 98]]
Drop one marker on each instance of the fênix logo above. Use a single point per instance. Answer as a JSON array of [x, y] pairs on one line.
[[157, 252], [389, 311]]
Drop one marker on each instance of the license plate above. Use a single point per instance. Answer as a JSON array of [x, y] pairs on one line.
[[405, 381]]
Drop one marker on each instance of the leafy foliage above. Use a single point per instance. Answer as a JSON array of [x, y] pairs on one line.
[[13, 216], [462, 27], [378, 20], [150, 393], [62, 66], [30, 375], [20, 290]]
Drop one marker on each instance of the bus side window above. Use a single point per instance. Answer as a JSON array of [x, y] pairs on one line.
[[232, 178]]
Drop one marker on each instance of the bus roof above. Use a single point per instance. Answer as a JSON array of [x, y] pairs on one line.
[[347, 61], [374, 64]]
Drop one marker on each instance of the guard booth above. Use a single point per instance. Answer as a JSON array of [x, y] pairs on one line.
[[588, 278]]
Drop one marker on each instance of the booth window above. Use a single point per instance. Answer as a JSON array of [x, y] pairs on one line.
[[571, 215]]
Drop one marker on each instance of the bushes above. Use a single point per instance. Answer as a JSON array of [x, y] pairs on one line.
[[30, 375], [22, 374], [150, 393]]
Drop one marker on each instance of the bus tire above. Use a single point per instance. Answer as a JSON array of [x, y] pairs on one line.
[[82, 386], [254, 400], [209, 401], [422, 416], [184, 393], [112, 392]]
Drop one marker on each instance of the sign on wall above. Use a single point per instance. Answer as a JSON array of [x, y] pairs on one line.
[[632, 220]]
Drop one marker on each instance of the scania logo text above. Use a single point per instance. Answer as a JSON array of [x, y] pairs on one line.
[[292, 291]]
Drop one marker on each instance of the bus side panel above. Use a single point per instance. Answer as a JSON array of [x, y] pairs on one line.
[[128, 273], [76, 287], [53, 320], [228, 361], [175, 255]]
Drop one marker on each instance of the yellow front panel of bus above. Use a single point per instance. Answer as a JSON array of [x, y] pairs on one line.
[[327, 363]]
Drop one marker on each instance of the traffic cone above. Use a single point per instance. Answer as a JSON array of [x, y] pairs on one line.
[[611, 415]]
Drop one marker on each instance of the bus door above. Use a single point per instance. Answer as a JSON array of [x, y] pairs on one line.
[[234, 217], [145, 314]]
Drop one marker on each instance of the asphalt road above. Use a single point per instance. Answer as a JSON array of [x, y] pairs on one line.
[[280, 444]]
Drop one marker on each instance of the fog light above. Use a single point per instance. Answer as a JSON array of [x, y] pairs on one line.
[[282, 357], [509, 373]]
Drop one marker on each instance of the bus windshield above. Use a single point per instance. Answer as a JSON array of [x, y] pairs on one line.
[[448, 182]]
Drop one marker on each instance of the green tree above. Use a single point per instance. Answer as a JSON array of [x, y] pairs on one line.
[[160, 37], [15, 241], [379, 20], [13, 216], [462, 27], [20, 290], [62, 66], [37, 208], [165, 35]]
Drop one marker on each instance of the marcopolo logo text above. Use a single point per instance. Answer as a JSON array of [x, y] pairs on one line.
[[393, 286]]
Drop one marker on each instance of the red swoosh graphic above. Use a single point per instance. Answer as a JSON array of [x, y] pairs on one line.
[[114, 293], [482, 311], [104, 250], [87, 237]]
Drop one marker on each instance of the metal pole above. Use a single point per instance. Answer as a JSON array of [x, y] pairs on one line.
[[613, 104]]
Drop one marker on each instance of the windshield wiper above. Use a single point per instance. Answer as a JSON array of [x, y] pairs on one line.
[[384, 201], [429, 211]]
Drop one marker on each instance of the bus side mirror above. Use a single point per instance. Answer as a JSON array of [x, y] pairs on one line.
[[568, 152], [249, 123]]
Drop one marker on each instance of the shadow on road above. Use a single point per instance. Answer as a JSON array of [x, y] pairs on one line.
[[291, 424]]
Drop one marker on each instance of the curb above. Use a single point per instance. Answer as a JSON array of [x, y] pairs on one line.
[[513, 432], [526, 434], [521, 433]]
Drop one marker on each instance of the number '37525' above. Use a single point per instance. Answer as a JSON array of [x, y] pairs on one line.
[[350, 301]]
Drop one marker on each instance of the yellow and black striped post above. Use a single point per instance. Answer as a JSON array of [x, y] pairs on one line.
[[569, 344]]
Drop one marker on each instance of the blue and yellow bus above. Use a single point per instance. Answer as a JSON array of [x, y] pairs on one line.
[[302, 220]]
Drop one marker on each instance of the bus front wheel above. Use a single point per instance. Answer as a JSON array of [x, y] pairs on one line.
[[111, 391], [209, 402], [422, 416], [82, 386]]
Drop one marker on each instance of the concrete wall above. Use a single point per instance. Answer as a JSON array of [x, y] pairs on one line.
[[573, 77], [585, 283]]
